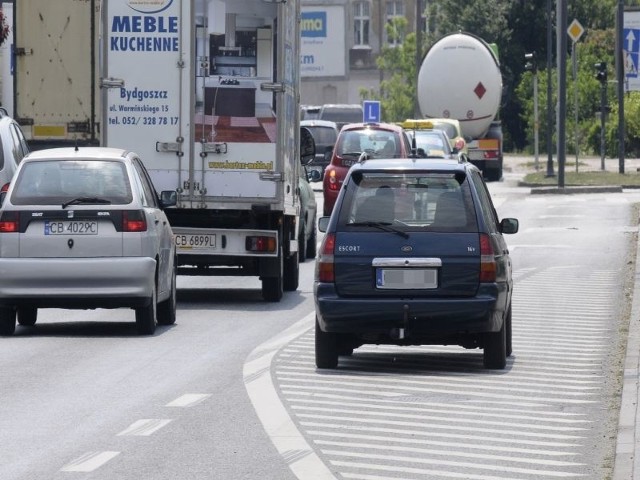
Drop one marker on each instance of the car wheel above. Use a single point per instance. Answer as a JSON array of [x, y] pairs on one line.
[[302, 256], [167, 308], [27, 316], [495, 348], [508, 333], [272, 286], [146, 316], [312, 244], [291, 273], [326, 348], [7, 321]]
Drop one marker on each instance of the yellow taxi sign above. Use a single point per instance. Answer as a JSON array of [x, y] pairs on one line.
[[417, 124]]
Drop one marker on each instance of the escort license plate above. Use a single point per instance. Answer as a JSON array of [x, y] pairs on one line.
[[71, 227], [195, 241], [406, 278]]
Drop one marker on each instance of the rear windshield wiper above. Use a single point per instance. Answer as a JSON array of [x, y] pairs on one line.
[[386, 226], [80, 200]]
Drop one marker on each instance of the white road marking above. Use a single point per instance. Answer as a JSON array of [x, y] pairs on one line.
[[188, 400], [302, 460], [89, 462], [144, 427]]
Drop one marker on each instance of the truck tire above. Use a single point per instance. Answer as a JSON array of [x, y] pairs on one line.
[[27, 316], [272, 288], [7, 321]]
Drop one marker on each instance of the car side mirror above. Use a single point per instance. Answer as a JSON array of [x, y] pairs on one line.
[[307, 146], [314, 176], [168, 198], [509, 225], [323, 224]]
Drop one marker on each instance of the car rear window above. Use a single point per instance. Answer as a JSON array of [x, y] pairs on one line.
[[377, 143], [323, 135], [54, 182], [341, 115], [447, 128], [431, 201], [433, 143]]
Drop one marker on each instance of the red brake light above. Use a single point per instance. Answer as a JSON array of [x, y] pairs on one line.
[[134, 221], [324, 264], [487, 260], [460, 144], [261, 244], [9, 222], [333, 181], [5, 187]]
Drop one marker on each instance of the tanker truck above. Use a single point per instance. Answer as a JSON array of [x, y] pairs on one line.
[[460, 78]]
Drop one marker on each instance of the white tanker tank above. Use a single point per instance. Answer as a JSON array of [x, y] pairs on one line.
[[460, 78]]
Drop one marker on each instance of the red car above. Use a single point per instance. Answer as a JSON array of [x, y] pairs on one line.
[[377, 140]]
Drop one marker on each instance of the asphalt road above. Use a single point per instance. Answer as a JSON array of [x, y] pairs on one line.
[[84, 397]]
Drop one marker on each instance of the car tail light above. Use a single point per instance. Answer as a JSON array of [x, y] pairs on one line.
[[487, 260], [324, 263], [9, 222], [333, 181], [460, 144], [134, 221], [5, 187], [262, 244]]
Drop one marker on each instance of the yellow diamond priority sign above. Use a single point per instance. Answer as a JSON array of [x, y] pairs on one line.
[[575, 30]]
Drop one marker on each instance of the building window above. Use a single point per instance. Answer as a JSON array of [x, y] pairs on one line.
[[394, 32], [361, 22]]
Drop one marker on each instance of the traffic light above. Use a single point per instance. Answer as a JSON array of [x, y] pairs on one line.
[[601, 72], [532, 64]]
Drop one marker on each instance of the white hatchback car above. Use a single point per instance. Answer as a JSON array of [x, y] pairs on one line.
[[84, 228], [13, 147]]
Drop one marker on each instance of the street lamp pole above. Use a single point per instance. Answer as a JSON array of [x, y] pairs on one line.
[[532, 66], [550, 122]]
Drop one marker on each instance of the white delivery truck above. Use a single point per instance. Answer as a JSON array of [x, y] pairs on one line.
[[54, 65], [207, 93]]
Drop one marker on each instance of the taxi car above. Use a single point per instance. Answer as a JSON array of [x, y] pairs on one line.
[[451, 127], [374, 140], [413, 254], [83, 228]]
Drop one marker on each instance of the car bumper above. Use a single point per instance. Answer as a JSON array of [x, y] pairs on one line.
[[418, 316], [77, 283]]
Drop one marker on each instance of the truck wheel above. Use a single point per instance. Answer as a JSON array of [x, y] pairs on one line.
[[7, 321], [27, 316], [272, 286], [291, 273], [495, 348], [146, 316], [326, 348]]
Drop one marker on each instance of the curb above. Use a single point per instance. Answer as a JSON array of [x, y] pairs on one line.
[[626, 462], [576, 189]]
